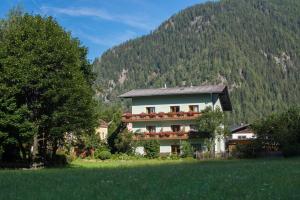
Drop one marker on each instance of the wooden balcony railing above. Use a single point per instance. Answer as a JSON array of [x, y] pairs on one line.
[[128, 117], [169, 135]]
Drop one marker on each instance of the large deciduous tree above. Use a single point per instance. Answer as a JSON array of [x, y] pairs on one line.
[[47, 80], [210, 126]]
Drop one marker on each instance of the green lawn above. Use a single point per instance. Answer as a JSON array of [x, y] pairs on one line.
[[232, 179]]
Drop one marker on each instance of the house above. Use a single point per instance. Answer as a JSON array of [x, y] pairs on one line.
[[169, 115], [102, 130], [242, 134]]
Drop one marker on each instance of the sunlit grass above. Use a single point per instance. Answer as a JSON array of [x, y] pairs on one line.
[[157, 179], [126, 163]]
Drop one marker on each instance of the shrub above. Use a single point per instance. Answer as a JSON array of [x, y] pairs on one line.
[[124, 156], [123, 142], [187, 149], [174, 157], [103, 155], [151, 148], [281, 130], [250, 150]]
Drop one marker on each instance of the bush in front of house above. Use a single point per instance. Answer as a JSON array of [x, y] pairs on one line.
[[102, 154], [151, 148], [250, 150], [187, 149]]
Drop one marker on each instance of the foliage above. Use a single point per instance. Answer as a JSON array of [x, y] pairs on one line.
[[210, 126], [281, 130], [250, 150], [111, 113], [151, 148], [124, 156], [210, 121], [103, 155], [47, 81], [123, 142], [249, 45], [187, 149]]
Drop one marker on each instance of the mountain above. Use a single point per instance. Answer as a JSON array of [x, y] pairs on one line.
[[253, 46]]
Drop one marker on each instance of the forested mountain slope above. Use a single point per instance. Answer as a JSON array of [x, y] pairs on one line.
[[253, 46]]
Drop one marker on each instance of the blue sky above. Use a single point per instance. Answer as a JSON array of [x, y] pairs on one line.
[[102, 24]]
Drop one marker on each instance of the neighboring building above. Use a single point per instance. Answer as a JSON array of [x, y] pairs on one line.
[[242, 134], [102, 130], [168, 115]]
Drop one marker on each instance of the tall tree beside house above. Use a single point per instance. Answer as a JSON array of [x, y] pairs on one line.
[[44, 71], [211, 126]]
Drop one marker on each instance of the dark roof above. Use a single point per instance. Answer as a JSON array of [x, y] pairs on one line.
[[239, 128], [205, 89]]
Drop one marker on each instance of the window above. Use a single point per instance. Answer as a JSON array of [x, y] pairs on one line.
[[151, 129], [150, 110], [242, 137], [175, 149], [174, 108], [193, 127], [175, 128], [194, 108]]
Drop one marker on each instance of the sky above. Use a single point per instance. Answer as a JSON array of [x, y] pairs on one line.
[[102, 24]]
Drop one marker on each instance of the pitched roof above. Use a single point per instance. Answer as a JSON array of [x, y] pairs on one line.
[[239, 128], [204, 89]]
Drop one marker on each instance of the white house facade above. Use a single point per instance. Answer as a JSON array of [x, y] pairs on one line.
[[169, 115]]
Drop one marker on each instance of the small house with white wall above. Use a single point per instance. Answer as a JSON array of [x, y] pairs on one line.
[[169, 115], [242, 132], [102, 130], [240, 135]]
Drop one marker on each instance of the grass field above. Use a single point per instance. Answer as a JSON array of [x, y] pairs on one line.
[[144, 179]]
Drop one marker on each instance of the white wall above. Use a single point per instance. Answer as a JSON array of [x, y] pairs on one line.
[[161, 125], [219, 144], [163, 103], [248, 135], [165, 149], [140, 150]]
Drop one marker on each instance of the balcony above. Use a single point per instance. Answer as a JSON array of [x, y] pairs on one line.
[[128, 117], [165, 135]]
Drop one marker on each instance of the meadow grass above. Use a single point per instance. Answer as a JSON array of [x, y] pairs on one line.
[[157, 179]]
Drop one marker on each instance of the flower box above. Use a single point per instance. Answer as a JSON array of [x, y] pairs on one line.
[[180, 114], [167, 134], [170, 114], [180, 133], [152, 115], [190, 114], [161, 114], [128, 115], [152, 134], [143, 115]]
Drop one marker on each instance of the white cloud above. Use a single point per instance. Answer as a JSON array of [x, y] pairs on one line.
[[134, 21], [107, 41]]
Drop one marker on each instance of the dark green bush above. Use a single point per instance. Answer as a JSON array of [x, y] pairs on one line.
[[187, 149], [103, 155], [250, 150], [151, 148]]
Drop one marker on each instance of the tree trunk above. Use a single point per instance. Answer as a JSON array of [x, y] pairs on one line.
[[35, 148]]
